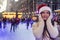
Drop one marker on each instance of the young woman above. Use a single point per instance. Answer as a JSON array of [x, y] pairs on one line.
[[45, 28]]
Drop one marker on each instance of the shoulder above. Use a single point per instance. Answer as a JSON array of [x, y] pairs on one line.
[[35, 24]]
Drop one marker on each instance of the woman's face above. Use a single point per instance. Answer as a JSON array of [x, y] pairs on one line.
[[45, 14]]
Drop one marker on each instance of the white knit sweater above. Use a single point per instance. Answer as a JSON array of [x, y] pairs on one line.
[[38, 30]]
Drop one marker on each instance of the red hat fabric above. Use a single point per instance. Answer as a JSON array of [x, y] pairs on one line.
[[41, 5]]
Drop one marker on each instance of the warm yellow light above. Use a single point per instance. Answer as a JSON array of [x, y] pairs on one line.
[[57, 10], [20, 14], [9, 14], [34, 18]]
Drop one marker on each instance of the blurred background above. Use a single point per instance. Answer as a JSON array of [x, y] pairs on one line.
[[22, 14]]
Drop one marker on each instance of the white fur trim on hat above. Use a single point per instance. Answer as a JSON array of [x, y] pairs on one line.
[[45, 8]]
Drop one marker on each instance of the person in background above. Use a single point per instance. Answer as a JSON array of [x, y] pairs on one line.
[[28, 19], [34, 19], [0, 23], [4, 22], [45, 28], [17, 21], [23, 19], [13, 25]]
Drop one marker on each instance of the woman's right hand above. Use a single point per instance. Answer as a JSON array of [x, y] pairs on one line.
[[41, 19]]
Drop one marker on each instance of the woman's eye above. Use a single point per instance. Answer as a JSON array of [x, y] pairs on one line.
[[47, 12]]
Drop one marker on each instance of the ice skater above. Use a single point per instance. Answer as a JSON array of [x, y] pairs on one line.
[[13, 25], [0, 23], [4, 22]]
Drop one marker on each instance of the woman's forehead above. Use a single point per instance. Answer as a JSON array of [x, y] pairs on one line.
[[46, 11]]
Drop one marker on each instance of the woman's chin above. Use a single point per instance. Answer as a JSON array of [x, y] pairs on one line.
[[44, 19]]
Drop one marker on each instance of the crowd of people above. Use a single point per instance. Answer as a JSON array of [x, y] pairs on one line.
[[15, 22]]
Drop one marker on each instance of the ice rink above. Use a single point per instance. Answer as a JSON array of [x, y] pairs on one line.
[[21, 33]]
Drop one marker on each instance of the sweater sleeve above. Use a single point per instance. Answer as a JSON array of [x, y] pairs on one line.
[[53, 30], [38, 30]]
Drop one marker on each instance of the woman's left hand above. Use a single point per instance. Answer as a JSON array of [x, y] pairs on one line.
[[49, 20]]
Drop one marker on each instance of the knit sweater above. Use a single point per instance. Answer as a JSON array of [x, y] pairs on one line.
[[38, 28]]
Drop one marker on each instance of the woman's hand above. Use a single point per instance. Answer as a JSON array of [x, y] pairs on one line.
[[52, 28], [49, 20], [41, 19]]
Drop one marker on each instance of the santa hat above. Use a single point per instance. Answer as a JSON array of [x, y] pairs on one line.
[[43, 7]]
